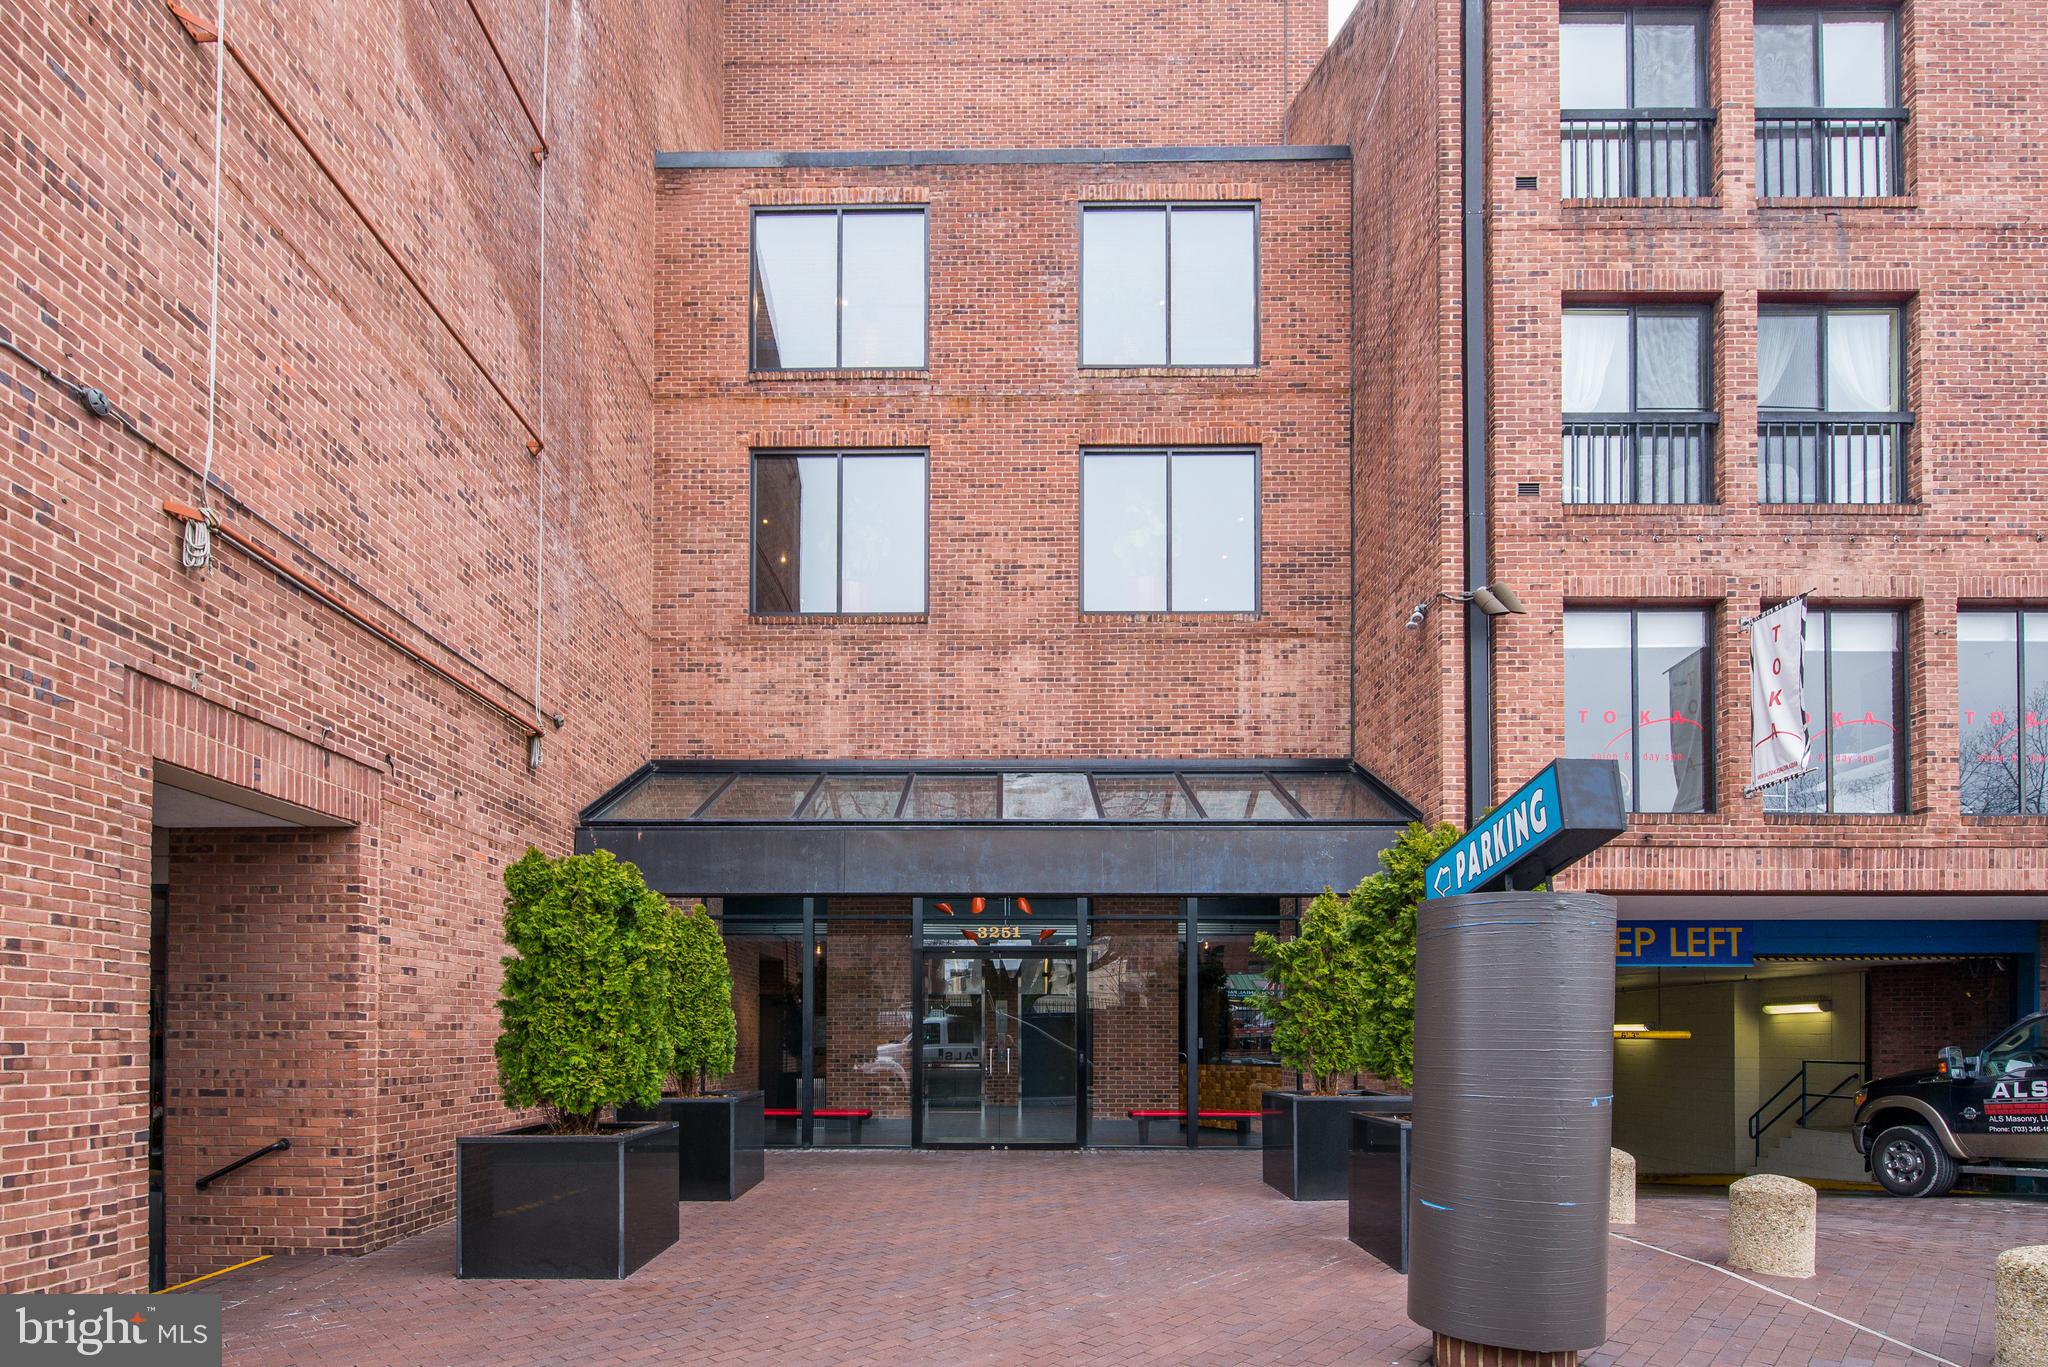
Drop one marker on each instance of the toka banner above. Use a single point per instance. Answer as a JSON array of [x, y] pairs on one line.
[[1777, 696]]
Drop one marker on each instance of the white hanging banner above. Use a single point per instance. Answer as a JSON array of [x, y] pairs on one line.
[[1777, 696]]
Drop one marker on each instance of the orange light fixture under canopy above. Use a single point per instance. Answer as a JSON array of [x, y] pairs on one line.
[[946, 907], [1046, 934], [1024, 905], [979, 905]]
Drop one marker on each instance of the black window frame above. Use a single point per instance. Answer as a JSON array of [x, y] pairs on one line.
[[1825, 419], [1820, 313], [1639, 422], [1895, 115], [839, 455], [2018, 616], [1168, 453], [1253, 206], [1902, 758], [838, 213], [1710, 732], [1701, 114]]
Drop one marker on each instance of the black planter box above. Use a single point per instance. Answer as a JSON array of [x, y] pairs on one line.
[[531, 1204], [1380, 1148], [719, 1141], [1307, 1140]]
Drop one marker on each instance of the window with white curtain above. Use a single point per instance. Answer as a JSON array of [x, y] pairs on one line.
[[1830, 391], [1648, 67], [1635, 390], [1827, 95]]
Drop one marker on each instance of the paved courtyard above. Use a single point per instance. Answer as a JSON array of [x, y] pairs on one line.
[[916, 1258]]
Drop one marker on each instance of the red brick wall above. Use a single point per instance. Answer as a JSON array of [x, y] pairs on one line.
[[1918, 1009], [1004, 411], [1388, 88], [1014, 73], [1134, 1004], [1977, 294], [269, 982], [867, 1006], [353, 424]]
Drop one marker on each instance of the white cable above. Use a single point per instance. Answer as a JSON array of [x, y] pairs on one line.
[[220, 62], [540, 497], [1808, 1305]]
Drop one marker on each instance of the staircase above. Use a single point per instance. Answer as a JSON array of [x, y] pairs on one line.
[[1813, 1152]]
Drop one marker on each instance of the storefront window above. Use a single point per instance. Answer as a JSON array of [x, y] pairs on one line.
[[1636, 691], [862, 1036], [764, 946], [1137, 1013], [2001, 702], [1235, 1044], [1853, 723]]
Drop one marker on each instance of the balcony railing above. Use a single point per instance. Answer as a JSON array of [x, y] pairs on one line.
[[1831, 458], [1829, 153], [1639, 457], [1635, 153]]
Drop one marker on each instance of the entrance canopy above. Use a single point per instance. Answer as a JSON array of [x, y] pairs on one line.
[[1080, 828]]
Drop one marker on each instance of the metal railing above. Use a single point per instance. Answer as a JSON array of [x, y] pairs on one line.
[[1635, 153], [1829, 153], [1831, 458], [1807, 1101], [274, 1146], [1639, 457]]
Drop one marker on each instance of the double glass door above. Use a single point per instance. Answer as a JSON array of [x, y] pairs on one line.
[[1000, 1060]]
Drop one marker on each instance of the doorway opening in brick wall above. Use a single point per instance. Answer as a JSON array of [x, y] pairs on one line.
[[255, 1027]]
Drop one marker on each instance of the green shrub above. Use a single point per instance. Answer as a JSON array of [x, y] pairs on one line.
[[586, 1007], [1318, 1009], [1383, 924], [704, 1034]]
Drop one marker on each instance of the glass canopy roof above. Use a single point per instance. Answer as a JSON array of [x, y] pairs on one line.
[[1128, 793]]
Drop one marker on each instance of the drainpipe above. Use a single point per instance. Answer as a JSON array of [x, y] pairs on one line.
[[1473, 365]]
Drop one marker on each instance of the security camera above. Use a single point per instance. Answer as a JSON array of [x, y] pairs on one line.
[[1415, 617]]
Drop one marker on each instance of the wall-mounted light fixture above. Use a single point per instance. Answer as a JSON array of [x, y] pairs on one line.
[[1637, 1033], [1816, 1006], [1495, 600], [1636, 1029]]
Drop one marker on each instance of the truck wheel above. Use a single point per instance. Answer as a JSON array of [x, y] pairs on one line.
[[1908, 1160]]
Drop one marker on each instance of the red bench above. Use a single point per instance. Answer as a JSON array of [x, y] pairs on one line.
[[1244, 1121], [853, 1116]]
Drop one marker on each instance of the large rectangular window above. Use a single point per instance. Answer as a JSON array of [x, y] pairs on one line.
[[1633, 103], [839, 289], [839, 532], [2002, 712], [1828, 121], [1637, 422], [1830, 424], [1638, 689], [1169, 531], [1855, 717], [1169, 285]]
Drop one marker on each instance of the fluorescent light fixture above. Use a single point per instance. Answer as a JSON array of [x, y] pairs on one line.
[[1818, 1006], [1637, 1029], [1652, 1034]]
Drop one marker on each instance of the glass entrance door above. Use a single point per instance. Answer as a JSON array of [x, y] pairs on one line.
[[1000, 1054]]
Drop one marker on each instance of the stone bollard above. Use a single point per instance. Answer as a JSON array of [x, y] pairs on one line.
[[1771, 1223], [1621, 1187], [2022, 1306]]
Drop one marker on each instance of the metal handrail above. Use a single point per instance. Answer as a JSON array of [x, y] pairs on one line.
[[274, 1146], [1811, 456], [1640, 457], [1636, 153], [1758, 1126]]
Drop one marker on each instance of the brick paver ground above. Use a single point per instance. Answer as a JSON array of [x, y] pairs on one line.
[[1060, 1258]]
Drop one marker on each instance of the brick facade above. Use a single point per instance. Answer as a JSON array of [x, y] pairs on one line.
[[372, 437], [1003, 411], [1916, 1010]]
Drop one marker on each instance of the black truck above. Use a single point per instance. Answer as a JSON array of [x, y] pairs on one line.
[[1985, 1113]]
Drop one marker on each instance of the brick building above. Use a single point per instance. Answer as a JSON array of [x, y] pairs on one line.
[[949, 491]]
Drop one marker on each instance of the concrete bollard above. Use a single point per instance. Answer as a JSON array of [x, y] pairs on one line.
[[1771, 1225], [2022, 1307], [1621, 1187]]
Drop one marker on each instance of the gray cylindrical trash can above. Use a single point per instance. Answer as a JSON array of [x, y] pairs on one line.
[[1514, 1103]]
